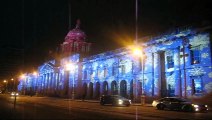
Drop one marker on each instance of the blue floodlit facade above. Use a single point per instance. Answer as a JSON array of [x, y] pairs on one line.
[[174, 64]]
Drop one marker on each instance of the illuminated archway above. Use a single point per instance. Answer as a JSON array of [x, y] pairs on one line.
[[114, 88], [84, 90], [105, 88], [123, 88], [90, 90], [131, 90], [97, 90], [139, 88]]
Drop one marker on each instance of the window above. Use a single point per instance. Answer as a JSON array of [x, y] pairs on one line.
[[91, 73], [105, 72], [142, 62], [83, 48], [170, 61], [195, 55], [87, 48], [98, 72], [75, 46], [123, 69], [197, 85], [114, 70], [85, 74]]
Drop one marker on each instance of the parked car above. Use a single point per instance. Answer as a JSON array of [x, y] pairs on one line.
[[115, 100], [14, 94], [177, 103]]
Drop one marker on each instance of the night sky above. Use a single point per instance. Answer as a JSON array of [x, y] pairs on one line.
[[37, 27]]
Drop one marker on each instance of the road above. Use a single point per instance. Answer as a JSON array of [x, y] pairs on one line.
[[44, 108]]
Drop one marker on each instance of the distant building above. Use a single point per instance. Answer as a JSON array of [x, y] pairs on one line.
[[174, 64]]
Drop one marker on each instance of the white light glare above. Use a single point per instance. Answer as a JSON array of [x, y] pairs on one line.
[[120, 102]]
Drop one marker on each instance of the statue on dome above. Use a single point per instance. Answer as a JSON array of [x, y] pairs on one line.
[[78, 24], [76, 33]]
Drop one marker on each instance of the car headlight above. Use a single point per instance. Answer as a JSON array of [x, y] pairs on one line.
[[195, 105], [17, 94], [130, 101], [120, 101]]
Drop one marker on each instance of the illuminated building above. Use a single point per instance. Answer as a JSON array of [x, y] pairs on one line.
[[178, 63]]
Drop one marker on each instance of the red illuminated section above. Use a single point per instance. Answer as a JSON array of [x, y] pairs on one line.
[[75, 41]]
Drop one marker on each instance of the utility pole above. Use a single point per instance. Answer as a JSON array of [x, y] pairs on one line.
[[136, 22], [69, 14], [23, 35]]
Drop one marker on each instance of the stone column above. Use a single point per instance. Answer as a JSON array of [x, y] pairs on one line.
[[45, 84], [47, 90], [157, 75], [51, 83], [178, 80]]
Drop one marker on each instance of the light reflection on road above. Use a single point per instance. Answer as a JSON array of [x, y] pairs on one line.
[[136, 111]]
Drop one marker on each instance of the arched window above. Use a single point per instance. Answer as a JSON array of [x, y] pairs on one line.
[[114, 88], [123, 88], [97, 90], [105, 88]]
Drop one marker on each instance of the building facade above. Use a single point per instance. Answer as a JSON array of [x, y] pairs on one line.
[[174, 64]]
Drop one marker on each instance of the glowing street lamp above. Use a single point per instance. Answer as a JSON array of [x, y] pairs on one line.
[[13, 83], [23, 77], [5, 81], [138, 53], [69, 67], [35, 74]]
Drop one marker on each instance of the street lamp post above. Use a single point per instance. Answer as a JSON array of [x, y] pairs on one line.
[[13, 84], [73, 87], [35, 82], [143, 97], [142, 65], [14, 89], [5, 81]]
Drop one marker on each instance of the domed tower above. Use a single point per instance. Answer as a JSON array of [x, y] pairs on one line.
[[75, 42]]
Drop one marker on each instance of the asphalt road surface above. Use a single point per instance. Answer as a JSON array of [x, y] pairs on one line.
[[46, 108]]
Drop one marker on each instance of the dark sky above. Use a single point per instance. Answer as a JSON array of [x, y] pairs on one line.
[[35, 27]]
